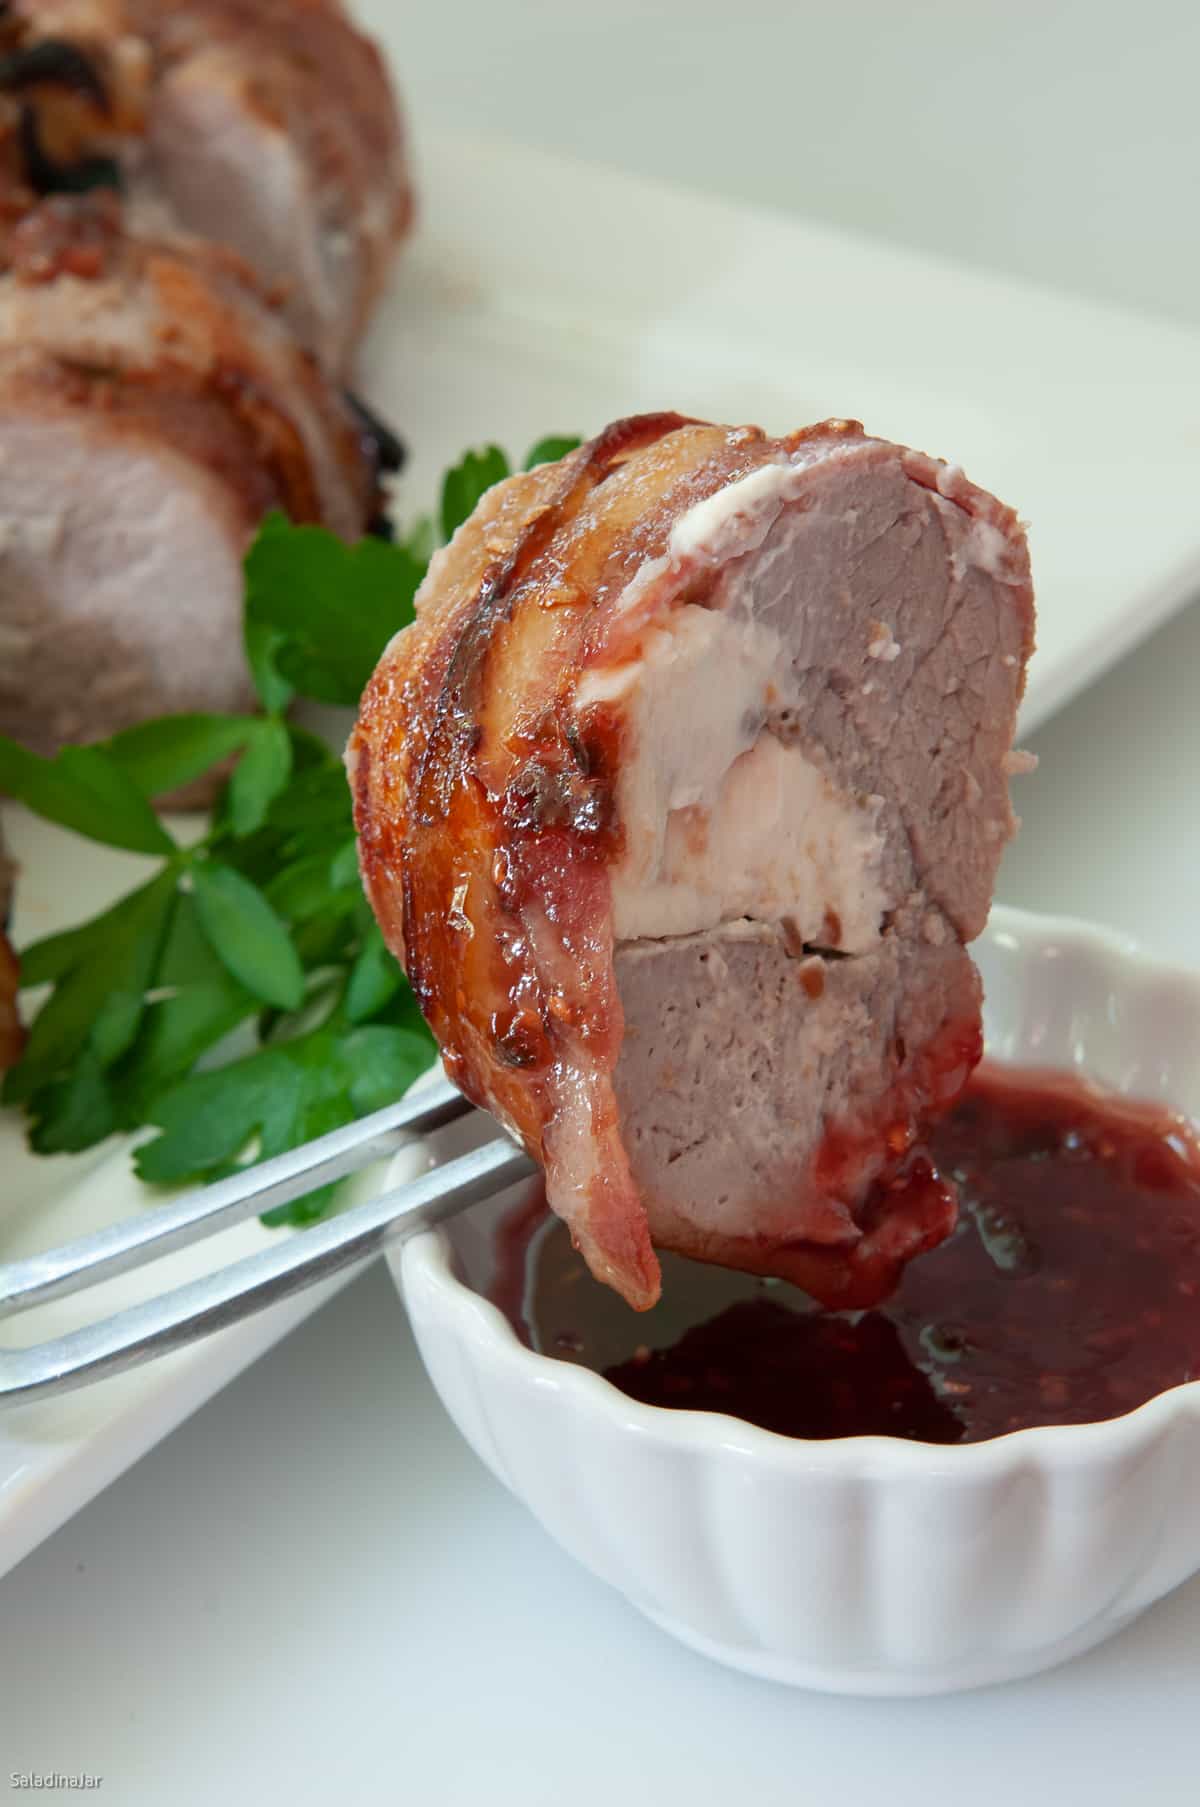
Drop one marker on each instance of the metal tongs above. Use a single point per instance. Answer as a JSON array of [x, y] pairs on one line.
[[297, 1260]]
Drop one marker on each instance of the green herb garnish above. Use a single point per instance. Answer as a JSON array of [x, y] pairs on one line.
[[241, 1001]]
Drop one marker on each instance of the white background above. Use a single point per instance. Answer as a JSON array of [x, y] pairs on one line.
[[1054, 139], [312, 1591]]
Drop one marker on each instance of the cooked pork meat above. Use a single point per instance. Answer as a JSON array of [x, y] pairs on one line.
[[73, 84], [266, 125], [152, 408], [680, 801], [11, 1034]]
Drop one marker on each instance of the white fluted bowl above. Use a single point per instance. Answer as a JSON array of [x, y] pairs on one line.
[[863, 1565]]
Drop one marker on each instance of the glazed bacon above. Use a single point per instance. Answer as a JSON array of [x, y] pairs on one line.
[[679, 802]]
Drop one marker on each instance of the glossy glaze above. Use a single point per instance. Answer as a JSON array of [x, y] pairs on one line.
[[1067, 1294]]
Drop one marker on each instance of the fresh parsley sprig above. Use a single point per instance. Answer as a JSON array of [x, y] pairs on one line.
[[241, 1000]]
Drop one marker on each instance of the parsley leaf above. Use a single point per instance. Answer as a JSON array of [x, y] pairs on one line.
[[466, 483], [163, 755], [98, 999], [247, 935], [548, 451], [275, 1099], [45, 962], [263, 643], [322, 612], [374, 978], [259, 775], [197, 1004], [84, 788], [74, 1113]]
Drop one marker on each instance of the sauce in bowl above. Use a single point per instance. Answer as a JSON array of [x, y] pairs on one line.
[[1069, 1291]]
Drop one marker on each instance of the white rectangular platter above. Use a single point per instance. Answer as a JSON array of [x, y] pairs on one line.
[[542, 297], [546, 295]]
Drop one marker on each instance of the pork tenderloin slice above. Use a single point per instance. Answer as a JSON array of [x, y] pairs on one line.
[[237, 175], [270, 126], [815, 689], [87, 285], [153, 408], [689, 678], [120, 580], [752, 1076]]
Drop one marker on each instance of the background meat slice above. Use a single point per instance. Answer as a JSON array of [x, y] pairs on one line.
[[152, 408], [269, 126], [681, 800]]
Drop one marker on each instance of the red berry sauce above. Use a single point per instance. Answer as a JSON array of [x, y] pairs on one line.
[[1069, 1291]]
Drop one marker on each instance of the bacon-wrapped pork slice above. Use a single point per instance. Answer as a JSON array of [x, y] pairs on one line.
[[152, 408], [680, 801], [266, 125]]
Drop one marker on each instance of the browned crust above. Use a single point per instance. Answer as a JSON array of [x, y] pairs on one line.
[[211, 344], [330, 86], [151, 413], [218, 375], [308, 70], [165, 351], [302, 67], [62, 237], [232, 379], [477, 791]]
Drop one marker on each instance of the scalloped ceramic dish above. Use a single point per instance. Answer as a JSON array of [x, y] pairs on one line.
[[865, 1565]]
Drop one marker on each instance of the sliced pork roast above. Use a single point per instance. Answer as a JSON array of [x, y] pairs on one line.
[[680, 801], [11, 1034], [152, 408], [266, 125]]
